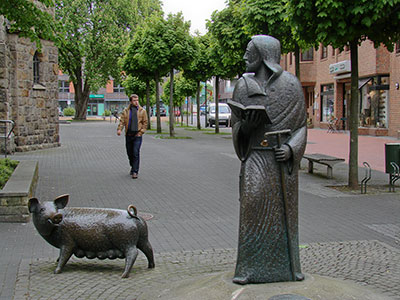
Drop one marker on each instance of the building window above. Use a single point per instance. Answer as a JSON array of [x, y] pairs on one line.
[[307, 55], [290, 58], [63, 86], [36, 63], [327, 103], [324, 52], [118, 88], [398, 47], [346, 48], [333, 51]]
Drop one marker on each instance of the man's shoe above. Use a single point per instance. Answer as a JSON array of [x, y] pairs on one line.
[[134, 175]]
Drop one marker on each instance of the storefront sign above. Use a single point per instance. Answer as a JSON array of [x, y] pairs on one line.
[[340, 67], [96, 96]]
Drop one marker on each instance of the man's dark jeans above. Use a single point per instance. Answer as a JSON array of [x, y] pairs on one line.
[[133, 144]]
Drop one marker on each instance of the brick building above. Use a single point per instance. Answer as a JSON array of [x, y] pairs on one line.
[[325, 77], [111, 97], [28, 91]]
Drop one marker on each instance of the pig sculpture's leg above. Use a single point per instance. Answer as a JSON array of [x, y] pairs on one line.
[[130, 257], [65, 255], [146, 248]]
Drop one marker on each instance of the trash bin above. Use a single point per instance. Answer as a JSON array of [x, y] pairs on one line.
[[392, 154]]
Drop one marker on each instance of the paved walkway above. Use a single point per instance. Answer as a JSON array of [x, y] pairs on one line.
[[190, 186]]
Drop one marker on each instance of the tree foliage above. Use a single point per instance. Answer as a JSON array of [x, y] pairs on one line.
[[92, 36], [201, 67], [320, 21], [228, 41], [183, 88], [29, 19]]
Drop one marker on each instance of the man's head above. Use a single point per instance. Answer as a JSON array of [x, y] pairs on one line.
[[134, 99]]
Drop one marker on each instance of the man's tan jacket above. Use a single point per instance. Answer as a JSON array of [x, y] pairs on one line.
[[142, 120]]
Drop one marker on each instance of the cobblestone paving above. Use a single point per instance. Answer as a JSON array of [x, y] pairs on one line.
[[369, 263]]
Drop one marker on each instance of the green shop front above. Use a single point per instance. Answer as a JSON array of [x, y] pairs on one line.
[[95, 105]]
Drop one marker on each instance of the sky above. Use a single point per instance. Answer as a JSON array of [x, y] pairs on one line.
[[195, 11]]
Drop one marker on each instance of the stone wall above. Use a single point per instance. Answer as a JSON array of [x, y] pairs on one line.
[[33, 107]]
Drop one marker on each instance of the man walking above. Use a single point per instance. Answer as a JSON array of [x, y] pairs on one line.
[[134, 120]]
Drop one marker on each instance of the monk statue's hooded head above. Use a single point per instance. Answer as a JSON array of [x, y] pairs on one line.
[[268, 50]]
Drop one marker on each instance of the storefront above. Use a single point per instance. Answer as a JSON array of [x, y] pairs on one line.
[[95, 105], [374, 102]]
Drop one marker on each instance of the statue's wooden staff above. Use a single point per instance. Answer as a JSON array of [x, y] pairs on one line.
[[278, 134]]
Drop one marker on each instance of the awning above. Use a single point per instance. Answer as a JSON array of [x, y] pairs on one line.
[[363, 82]]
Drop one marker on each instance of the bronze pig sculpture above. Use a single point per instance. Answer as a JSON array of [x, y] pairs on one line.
[[91, 232]]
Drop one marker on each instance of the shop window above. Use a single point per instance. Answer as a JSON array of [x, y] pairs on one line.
[[36, 65], [307, 55], [374, 99], [63, 86], [118, 88], [324, 52], [327, 103], [398, 47]]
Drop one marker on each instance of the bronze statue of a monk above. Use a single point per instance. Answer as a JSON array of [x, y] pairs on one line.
[[268, 249]]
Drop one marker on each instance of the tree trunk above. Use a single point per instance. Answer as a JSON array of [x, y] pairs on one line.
[[148, 103], [297, 60], [158, 102], [216, 104], [81, 96], [198, 105], [353, 117], [181, 114], [171, 103], [187, 110], [205, 103]]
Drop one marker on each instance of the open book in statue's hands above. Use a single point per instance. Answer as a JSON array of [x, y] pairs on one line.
[[240, 111]]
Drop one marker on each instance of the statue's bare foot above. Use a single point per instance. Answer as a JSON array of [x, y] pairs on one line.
[[299, 276], [240, 280]]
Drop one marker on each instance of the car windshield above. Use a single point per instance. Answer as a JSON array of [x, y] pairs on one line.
[[222, 110]]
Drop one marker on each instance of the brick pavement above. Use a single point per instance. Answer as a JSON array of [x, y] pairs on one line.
[[190, 186]]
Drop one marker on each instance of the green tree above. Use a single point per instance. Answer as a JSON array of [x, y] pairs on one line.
[[200, 68], [146, 55], [29, 19], [179, 48], [270, 17], [91, 38], [228, 42], [339, 23], [183, 88], [139, 69]]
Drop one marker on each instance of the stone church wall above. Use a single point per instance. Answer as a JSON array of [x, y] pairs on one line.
[[32, 106]]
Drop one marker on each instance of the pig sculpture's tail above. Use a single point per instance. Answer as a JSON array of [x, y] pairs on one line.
[[132, 211]]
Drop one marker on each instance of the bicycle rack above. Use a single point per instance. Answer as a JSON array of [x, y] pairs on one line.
[[366, 178], [394, 176], [4, 126]]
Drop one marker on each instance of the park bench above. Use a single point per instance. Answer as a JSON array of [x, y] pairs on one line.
[[322, 159]]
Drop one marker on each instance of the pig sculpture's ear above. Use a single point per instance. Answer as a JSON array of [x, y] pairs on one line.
[[61, 201], [33, 205]]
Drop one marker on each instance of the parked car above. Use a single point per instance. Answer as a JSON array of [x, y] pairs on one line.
[[163, 110], [224, 114]]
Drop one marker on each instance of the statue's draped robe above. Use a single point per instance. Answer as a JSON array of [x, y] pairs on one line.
[[263, 252]]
